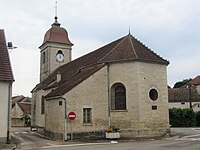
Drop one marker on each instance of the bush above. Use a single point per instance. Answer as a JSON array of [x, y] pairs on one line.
[[182, 117], [197, 118]]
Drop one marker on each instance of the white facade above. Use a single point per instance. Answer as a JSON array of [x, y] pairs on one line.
[[5, 97]]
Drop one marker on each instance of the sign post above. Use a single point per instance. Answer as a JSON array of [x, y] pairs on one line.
[[71, 117]]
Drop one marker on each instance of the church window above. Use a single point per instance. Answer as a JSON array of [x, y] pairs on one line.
[[59, 52], [43, 57], [118, 97], [153, 94], [60, 103], [42, 105], [87, 115]]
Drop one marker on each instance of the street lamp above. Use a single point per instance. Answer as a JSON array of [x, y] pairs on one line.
[[190, 94], [10, 46]]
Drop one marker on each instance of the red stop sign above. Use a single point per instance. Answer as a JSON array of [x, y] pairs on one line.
[[71, 115]]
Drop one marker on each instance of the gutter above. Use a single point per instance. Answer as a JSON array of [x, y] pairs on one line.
[[8, 117], [109, 100]]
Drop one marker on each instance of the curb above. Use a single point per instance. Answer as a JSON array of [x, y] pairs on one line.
[[8, 146]]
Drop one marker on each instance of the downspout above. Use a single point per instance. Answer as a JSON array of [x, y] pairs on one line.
[[8, 117], [45, 115], [109, 101]]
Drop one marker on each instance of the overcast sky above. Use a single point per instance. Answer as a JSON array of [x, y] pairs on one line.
[[171, 28]]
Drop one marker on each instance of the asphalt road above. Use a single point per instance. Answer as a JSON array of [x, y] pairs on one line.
[[183, 139], [147, 145]]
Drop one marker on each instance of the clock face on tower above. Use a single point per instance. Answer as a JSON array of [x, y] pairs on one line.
[[60, 57]]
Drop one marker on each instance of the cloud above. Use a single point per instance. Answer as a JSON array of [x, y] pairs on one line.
[[25, 66]]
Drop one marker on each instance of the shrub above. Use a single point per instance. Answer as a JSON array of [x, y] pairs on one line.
[[182, 117], [197, 118]]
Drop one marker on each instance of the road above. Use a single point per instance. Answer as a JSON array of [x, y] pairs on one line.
[[30, 140], [185, 139]]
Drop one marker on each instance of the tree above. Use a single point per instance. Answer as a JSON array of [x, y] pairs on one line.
[[27, 119], [181, 83]]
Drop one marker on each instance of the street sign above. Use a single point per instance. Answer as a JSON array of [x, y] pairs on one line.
[[71, 115]]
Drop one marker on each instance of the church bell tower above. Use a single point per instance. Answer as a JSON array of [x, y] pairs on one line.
[[55, 50]]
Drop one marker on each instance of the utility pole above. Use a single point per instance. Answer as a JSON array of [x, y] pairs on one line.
[[190, 95]]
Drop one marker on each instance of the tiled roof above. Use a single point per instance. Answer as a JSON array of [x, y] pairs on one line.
[[57, 34], [16, 99], [20, 99], [183, 95], [126, 48], [25, 107], [5, 66], [195, 81], [27, 100]]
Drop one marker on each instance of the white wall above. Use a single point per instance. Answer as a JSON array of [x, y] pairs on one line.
[[4, 92]]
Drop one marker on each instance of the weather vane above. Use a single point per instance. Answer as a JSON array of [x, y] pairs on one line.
[[56, 8], [129, 30]]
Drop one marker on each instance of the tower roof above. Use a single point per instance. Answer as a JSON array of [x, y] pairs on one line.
[[56, 34]]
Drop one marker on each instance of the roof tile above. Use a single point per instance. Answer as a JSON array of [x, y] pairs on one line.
[[5, 66], [126, 48]]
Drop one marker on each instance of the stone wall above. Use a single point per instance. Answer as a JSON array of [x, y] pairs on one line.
[[16, 116], [38, 119], [139, 78], [142, 118], [51, 63], [55, 119], [76, 135]]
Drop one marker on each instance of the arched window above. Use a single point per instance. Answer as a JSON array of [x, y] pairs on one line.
[[42, 105], [118, 97], [60, 52], [43, 57]]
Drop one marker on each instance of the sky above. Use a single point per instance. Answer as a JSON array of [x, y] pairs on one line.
[[171, 28]]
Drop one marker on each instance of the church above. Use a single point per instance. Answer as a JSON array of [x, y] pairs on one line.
[[121, 86]]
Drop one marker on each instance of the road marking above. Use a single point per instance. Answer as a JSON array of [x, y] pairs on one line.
[[24, 132], [16, 132], [194, 137], [51, 144], [72, 145]]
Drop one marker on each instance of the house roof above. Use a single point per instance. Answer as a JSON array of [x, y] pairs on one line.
[[195, 81], [5, 66], [20, 99], [56, 34], [183, 95], [127, 48], [25, 107]]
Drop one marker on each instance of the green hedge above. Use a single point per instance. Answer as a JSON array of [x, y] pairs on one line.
[[197, 117], [184, 117]]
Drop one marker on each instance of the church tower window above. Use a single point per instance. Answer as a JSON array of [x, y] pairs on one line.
[[118, 97], [43, 57], [59, 52], [42, 105]]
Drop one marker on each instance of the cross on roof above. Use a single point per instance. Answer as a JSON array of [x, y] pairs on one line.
[[56, 9]]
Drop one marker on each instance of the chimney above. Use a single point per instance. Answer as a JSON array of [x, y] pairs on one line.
[[58, 78]]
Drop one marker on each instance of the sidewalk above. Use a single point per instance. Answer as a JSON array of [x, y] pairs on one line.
[[7, 146]]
